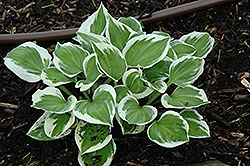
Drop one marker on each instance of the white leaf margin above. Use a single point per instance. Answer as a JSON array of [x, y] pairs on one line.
[[21, 72], [88, 118], [141, 95], [199, 34], [173, 144], [103, 46], [50, 83], [93, 148], [49, 125], [151, 85], [109, 159], [138, 129], [36, 97], [85, 26], [200, 121], [202, 96], [148, 37], [138, 22], [192, 79], [84, 87], [40, 121], [57, 61], [122, 113]]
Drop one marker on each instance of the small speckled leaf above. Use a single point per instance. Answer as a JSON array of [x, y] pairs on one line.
[[51, 76], [102, 157], [91, 137], [132, 80], [27, 61], [187, 97], [51, 99], [159, 71], [110, 60], [185, 70], [86, 38], [117, 33], [170, 131], [182, 49], [133, 23], [129, 128], [146, 50], [101, 110], [198, 128], [69, 58], [202, 41], [121, 92], [97, 22], [91, 73], [130, 111], [56, 124]]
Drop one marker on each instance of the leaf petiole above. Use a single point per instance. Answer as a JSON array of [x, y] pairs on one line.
[[157, 94], [86, 96], [65, 90]]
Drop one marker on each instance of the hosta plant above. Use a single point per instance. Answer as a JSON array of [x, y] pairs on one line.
[[123, 74]]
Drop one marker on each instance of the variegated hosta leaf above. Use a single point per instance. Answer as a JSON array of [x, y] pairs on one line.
[[133, 23], [202, 41], [132, 80], [37, 131], [117, 33], [102, 157], [130, 111], [57, 124], [69, 59], [101, 110], [27, 61], [129, 128], [51, 76], [182, 49], [185, 70], [159, 85], [171, 55], [187, 97], [86, 38], [170, 131], [51, 99], [110, 60], [146, 50], [91, 72], [135, 34], [91, 137], [161, 33], [96, 23], [121, 92], [159, 71], [198, 128]]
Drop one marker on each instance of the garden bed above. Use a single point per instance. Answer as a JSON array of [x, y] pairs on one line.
[[228, 115]]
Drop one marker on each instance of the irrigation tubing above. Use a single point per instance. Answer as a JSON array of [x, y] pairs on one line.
[[69, 33]]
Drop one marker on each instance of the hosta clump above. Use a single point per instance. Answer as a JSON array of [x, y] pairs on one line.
[[114, 65]]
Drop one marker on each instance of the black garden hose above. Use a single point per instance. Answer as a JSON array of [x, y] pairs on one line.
[[69, 33]]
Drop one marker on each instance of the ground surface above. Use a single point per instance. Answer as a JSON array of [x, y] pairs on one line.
[[228, 115]]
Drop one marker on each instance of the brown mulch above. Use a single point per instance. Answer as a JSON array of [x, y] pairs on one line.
[[228, 115]]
